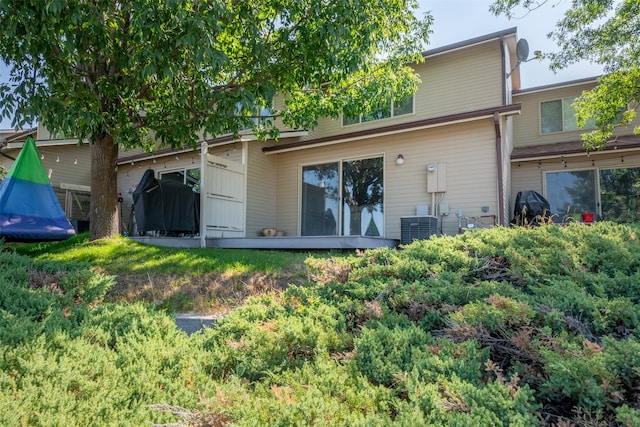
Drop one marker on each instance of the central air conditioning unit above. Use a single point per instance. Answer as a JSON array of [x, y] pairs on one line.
[[417, 228]]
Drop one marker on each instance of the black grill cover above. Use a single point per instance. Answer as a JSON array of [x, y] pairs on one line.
[[167, 206], [532, 205]]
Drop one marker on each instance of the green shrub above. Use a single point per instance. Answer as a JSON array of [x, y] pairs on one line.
[[320, 393], [496, 327], [495, 313], [265, 337], [452, 401], [385, 353], [579, 372]]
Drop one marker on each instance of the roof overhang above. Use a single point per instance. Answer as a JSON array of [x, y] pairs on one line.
[[487, 113], [580, 82], [498, 35], [619, 144], [13, 136], [45, 143], [216, 142]]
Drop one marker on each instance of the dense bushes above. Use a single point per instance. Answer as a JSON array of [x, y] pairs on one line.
[[513, 327], [67, 360]]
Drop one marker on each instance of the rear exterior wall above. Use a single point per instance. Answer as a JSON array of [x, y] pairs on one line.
[[466, 149]]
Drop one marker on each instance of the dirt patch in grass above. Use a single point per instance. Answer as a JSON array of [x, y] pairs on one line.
[[210, 293]]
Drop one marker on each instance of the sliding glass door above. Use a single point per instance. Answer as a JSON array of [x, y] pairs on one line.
[[571, 193], [320, 200], [619, 194], [343, 198], [362, 191], [612, 194]]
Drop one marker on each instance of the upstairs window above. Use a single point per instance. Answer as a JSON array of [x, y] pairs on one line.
[[386, 110], [560, 116], [257, 116]]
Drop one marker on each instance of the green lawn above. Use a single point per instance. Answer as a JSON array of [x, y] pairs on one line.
[[123, 255], [179, 280]]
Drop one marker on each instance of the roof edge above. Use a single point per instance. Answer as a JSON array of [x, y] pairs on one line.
[[556, 85], [470, 42], [619, 143]]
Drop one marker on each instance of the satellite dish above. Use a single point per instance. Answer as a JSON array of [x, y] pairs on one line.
[[522, 50]]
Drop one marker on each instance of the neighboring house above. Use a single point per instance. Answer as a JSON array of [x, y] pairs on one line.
[[68, 165], [549, 158]]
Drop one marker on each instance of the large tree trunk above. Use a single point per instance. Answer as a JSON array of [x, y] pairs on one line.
[[104, 187]]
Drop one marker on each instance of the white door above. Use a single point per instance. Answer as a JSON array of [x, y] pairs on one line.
[[224, 187]]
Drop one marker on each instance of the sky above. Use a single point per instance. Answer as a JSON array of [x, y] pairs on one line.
[[459, 20]]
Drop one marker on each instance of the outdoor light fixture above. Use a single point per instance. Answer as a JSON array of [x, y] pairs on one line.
[[400, 160]]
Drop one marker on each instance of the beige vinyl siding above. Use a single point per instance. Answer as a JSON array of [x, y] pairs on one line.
[[454, 82], [467, 150], [43, 133], [261, 190], [463, 80], [73, 167], [68, 170], [60, 163], [69, 164], [527, 124]]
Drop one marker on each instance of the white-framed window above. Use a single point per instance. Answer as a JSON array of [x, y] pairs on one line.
[[560, 116], [611, 193], [386, 110], [187, 176]]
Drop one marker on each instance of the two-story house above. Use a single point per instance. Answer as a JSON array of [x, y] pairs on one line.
[[462, 147], [444, 152]]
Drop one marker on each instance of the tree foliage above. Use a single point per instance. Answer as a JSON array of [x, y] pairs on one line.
[[137, 72], [604, 32]]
